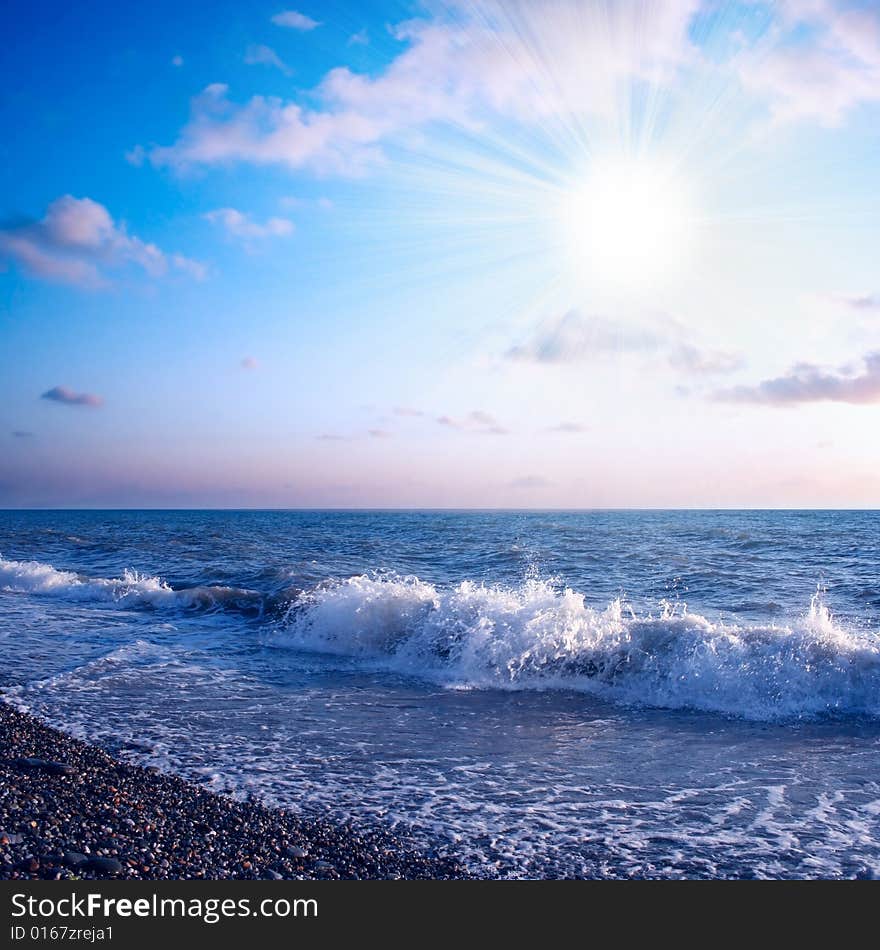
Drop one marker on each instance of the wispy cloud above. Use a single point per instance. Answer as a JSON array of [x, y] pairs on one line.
[[577, 337], [569, 428], [295, 20], [701, 361], [331, 437], [71, 398], [481, 62], [242, 226], [21, 434], [78, 242], [379, 434], [451, 70], [177, 60], [408, 411], [809, 383], [825, 63], [259, 55], [858, 301], [250, 362], [530, 481], [475, 421]]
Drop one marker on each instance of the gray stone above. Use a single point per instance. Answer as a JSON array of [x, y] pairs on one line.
[[73, 859], [45, 765], [105, 865]]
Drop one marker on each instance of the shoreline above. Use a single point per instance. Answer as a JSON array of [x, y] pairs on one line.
[[70, 810]]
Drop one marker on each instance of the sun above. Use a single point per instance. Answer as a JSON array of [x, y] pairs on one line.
[[630, 223]]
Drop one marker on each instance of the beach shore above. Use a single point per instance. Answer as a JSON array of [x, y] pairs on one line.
[[68, 809]]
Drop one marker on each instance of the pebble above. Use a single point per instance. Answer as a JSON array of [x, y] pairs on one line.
[[105, 865], [54, 768], [73, 859]]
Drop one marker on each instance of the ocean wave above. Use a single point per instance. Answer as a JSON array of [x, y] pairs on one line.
[[536, 636], [132, 589]]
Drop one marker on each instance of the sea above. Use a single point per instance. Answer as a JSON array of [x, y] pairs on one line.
[[546, 694]]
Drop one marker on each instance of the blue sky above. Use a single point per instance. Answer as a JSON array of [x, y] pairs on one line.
[[565, 253]]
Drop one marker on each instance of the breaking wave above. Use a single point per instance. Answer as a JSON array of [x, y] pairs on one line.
[[132, 589], [535, 636], [532, 636]]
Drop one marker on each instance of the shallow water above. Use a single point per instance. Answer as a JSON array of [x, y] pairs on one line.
[[553, 694]]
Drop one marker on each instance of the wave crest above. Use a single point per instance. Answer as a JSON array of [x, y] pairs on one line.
[[536, 636], [132, 589]]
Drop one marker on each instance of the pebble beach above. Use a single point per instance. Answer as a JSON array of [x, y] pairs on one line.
[[71, 810]]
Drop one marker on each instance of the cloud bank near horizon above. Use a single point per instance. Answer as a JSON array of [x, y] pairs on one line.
[[810, 383]]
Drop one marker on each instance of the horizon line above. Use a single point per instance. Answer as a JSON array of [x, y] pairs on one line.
[[431, 509]]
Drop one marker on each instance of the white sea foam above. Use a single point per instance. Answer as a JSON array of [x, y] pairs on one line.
[[536, 636], [132, 589]]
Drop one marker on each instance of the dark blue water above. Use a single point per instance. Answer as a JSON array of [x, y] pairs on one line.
[[550, 694]]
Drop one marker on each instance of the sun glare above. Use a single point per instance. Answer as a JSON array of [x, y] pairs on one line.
[[628, 223]]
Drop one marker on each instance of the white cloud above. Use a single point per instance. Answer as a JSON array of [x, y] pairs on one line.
[[78, 242], [577, 337], [135, 156], [456, 72], [530, 61], [825, 63], [295, 21], [701, 361], [858, 301], [196, 269], [239, 225], [259, 55]]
